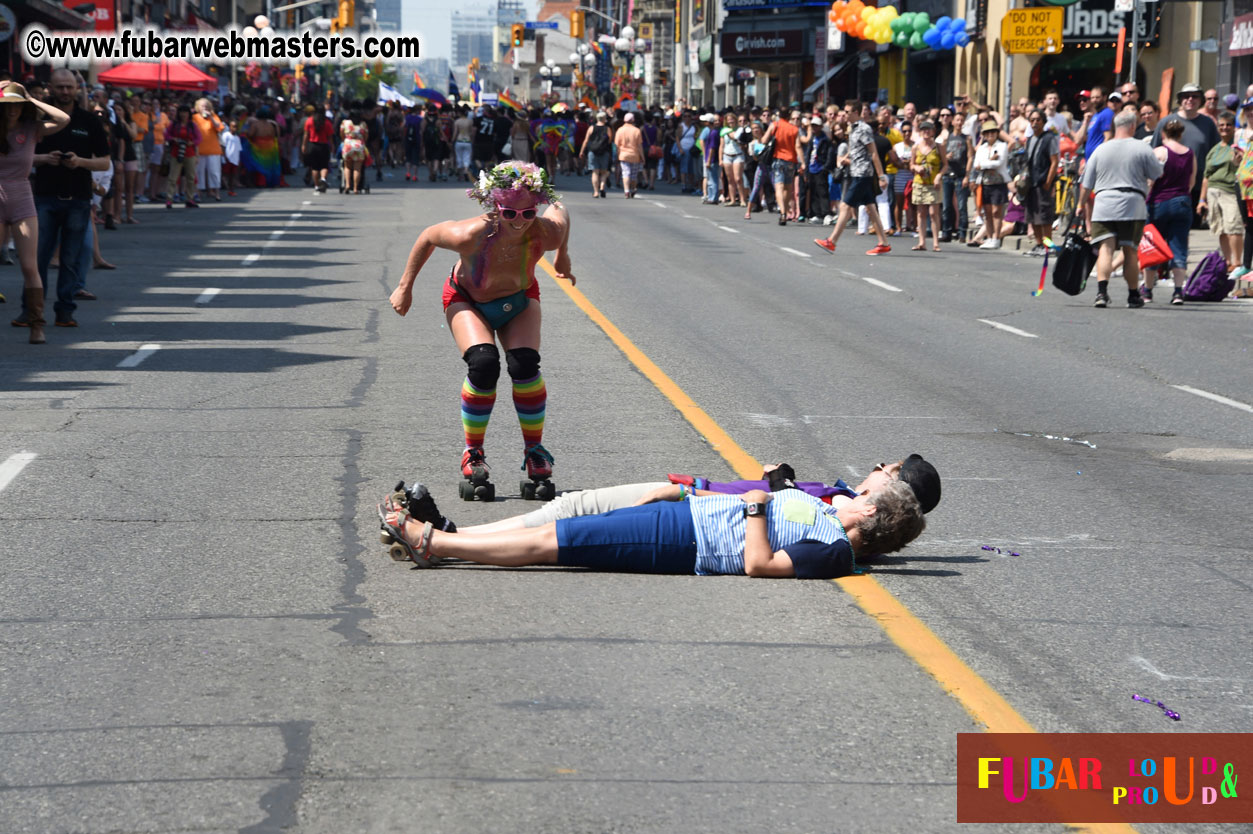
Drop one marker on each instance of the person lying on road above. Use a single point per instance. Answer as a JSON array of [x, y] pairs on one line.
[[761, 534]]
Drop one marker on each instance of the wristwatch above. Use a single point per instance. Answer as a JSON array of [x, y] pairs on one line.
[[757, 509]]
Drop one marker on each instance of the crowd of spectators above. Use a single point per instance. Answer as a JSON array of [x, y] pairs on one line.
[[956, 173]]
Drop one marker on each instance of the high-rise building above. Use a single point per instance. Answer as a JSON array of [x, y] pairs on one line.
[[387, 14], [509, 12], [472, 37]]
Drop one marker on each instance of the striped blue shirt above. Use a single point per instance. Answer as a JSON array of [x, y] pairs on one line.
[[791, 516]]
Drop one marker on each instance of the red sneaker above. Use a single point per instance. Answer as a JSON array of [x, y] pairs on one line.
[[879, 250], [824, 243]]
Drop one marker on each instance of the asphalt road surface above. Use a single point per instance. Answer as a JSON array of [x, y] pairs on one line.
[[200, 632]]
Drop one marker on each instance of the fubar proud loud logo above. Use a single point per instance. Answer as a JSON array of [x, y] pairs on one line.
[[1104, 777]]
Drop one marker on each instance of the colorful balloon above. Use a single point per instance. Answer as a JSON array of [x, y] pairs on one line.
[[947, 41]]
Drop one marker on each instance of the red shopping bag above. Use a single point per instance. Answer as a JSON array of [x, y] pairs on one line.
[[1154, 250]]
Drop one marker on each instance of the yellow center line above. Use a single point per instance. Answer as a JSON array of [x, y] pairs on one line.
[[986, 706]]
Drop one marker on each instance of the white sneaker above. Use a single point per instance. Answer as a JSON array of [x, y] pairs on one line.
[[990, 244], [829, 220]]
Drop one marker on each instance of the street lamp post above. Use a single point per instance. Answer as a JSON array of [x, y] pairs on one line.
[[628, 46], [583, 60], [549, 72]]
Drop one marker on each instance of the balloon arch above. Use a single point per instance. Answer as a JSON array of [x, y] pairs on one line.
[[884, 24]]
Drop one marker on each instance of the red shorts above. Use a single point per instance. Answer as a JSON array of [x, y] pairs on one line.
[[451, 296]]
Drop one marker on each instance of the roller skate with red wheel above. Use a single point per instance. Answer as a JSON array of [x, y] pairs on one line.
[[476, 484], [538, 464]]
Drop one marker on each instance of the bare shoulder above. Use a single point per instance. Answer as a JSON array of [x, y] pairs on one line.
[[553, 225]]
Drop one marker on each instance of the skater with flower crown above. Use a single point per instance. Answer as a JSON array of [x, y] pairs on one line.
[[492, 294]]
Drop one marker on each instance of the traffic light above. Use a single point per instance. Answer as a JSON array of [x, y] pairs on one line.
[[664, 77], [576, 24], [516, 34], [346, 9]]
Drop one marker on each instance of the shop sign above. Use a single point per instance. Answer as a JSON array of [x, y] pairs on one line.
[[748, 5], [786, 44], [820, 51], [1241, 36], [976, 18], [1098, 22], [706, 50], [693, 56]]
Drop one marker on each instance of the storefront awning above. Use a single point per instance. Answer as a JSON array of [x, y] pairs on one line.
[[56, 16], [831, 73]]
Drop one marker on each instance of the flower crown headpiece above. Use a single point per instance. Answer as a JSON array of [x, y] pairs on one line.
[[496, 184]]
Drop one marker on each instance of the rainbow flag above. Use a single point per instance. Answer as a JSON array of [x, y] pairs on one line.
[[507, 99], [598, 49], [417, 79], [472, 78]]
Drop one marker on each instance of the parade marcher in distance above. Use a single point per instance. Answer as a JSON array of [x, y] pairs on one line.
[[1116, 173], [24, 121], [491, 293]]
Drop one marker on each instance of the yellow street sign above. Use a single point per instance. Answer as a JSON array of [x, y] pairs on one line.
[[1033, 31]]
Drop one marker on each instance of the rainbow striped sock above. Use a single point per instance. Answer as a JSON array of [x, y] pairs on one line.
[[476, 410], [530, 399]]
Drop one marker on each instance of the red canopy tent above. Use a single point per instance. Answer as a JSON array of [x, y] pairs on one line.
[[164, 75]]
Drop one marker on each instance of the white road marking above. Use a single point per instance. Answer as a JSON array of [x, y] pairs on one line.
[[846, 272], [791, 251], [689, 217], [294, 218], [12, 467], [1215, 397], [1147, 666], [657, 204], [276, 234], [251, 259], [1009, 329], [729, 229], [852, 471], [306, 202], [770, 421], [1210, 454], [138, 356], [44, 394], [883, 285], [207, 296]]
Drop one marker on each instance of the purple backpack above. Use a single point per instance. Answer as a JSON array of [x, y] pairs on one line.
[[1209, 281]]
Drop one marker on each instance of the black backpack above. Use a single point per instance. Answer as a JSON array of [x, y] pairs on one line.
[[599, 143]]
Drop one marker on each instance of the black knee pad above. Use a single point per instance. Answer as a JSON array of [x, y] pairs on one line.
[[483, 366], [523, 363]]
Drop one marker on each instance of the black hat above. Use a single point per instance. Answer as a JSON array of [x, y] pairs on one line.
[[923, 480]]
